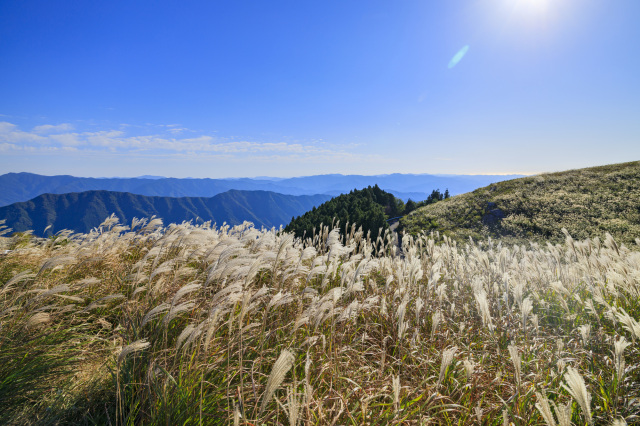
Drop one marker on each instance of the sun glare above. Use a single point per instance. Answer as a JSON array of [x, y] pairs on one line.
[[530, 6]]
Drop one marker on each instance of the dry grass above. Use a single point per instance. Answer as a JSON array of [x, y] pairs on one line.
[[204, 325]]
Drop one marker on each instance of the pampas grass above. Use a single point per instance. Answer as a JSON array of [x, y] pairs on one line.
[[192, 324]]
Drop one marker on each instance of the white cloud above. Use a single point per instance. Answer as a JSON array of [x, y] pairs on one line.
[[6, 127], [51, 128], [50, 138]]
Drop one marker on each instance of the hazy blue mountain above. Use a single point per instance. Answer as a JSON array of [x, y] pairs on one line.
[[83, 211], [15, 187]]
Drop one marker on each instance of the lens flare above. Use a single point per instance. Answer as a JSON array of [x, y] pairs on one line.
[[458, 56]]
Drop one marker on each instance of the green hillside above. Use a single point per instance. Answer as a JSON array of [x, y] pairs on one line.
[[587, 202]]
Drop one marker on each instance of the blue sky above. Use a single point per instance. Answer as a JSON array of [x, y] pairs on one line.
[[290, 88]]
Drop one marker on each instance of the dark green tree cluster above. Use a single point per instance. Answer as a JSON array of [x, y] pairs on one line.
[[369, 208], [434, 197]]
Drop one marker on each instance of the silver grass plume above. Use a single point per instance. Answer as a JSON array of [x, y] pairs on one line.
[[629, 323], [395, 383], [279, 370], [308, 390], [418, 307], [620, 346], [483, 308], [619, 422], [478, 412], [585, 332], [401, 311], [185, 290], [447, 358], [294, 406], [564, 413], [517, 362], [37, 319], [136, 346], [468, 368], [163, 307], [545, 410], [435, 321], [525, 309], [577, 388]]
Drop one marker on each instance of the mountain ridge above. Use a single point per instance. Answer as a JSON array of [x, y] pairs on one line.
[[24, 186], [83, 211]]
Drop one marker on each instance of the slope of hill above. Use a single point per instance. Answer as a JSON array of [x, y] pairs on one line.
[[587, 202], [16, 187], [83, 211]]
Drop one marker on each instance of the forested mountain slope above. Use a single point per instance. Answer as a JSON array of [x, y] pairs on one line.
[[83, 211], [587, 202], [369, 208]]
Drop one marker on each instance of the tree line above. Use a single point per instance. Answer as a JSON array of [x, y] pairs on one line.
[[369, 208]]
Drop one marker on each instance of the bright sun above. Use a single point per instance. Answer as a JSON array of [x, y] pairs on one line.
[[531, 6]]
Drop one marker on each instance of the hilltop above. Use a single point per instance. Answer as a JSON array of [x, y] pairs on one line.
[[369, 208], [586, 202]]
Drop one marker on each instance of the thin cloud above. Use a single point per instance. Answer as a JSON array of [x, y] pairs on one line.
[[44, 139], [51, 128]]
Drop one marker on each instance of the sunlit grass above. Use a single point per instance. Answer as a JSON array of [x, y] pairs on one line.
[[204, 325]]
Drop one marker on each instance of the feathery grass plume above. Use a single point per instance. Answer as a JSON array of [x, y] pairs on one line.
[[308, 390], [517, 362], [400, 312], [478, 411], [545, 410], [136, 346], [629, 323], [153, 313], [395, 384], [174, 311], [184, 291], [435, 321], [468, 368], [483, 308], [534, 320], [279, 370], [619, 422], [585, 333], [447, 358], [620, 346], [564, 413], [525, 309], [418, 307], [37, 319], [294, 406], [22, 276], [578, 389]]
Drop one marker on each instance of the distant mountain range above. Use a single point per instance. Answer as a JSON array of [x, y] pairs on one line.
[[17, 187], [83, 211]]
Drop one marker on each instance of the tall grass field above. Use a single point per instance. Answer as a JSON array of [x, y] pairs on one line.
[[189, 325]]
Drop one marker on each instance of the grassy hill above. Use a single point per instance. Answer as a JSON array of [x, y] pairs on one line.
[[587, 202], [84, 211]]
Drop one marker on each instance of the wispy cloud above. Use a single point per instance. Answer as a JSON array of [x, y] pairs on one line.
[[52, 138], [53, 128]]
